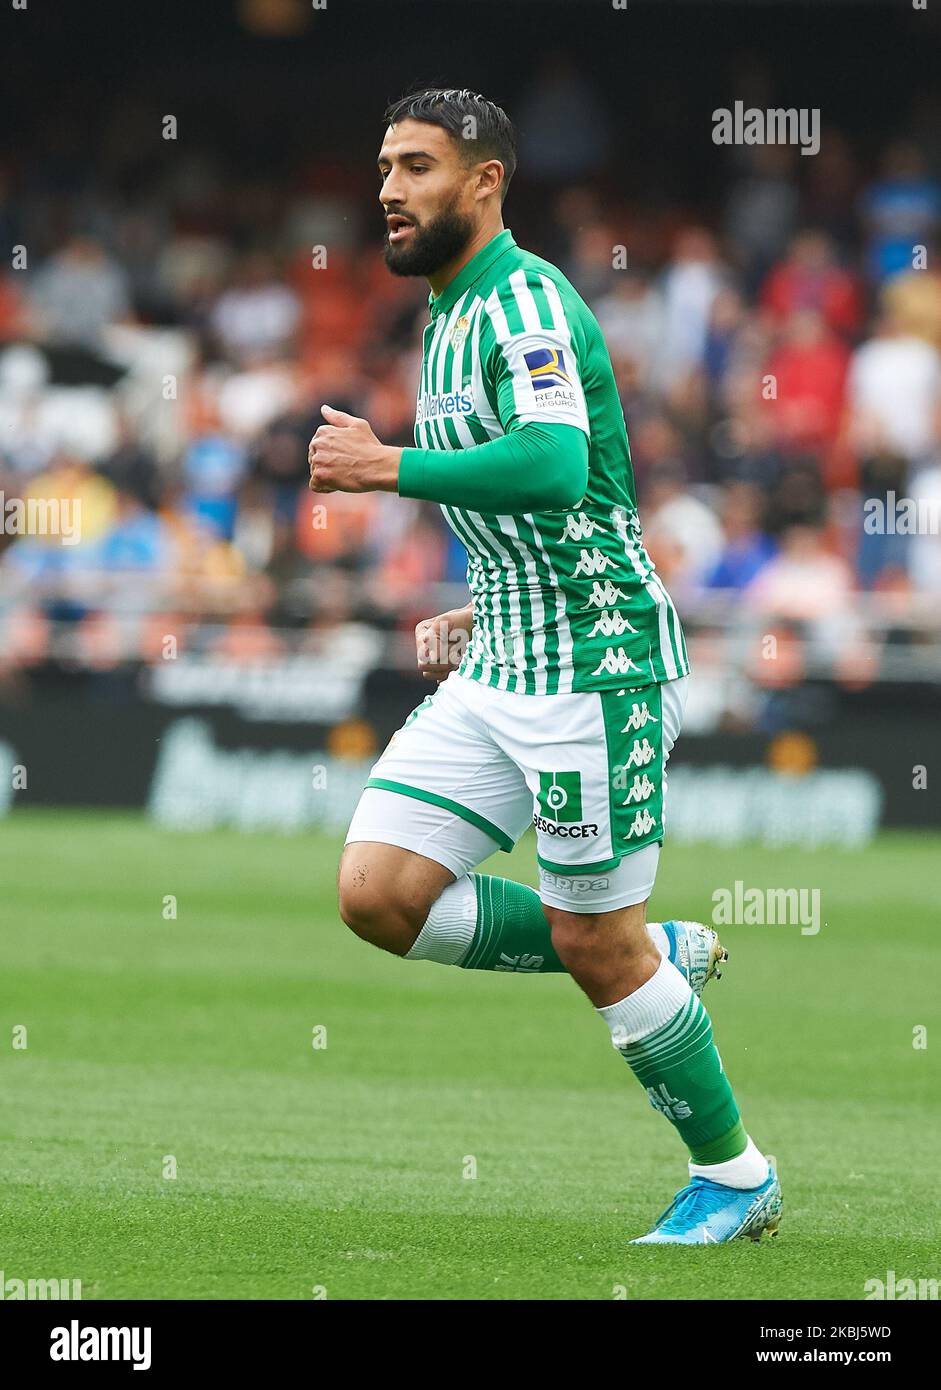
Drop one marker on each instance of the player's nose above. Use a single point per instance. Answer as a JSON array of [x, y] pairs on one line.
[[389, 196]]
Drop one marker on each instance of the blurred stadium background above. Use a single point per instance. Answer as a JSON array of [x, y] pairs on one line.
[[180, 307], [212, 657]]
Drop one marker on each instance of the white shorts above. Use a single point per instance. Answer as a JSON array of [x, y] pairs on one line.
[[472, 767]]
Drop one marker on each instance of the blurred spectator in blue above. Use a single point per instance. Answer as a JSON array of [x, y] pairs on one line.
[[727, 318], [690, 284], [900, 211], [881, 551], [746, 549], [139, 540], [213, 469]]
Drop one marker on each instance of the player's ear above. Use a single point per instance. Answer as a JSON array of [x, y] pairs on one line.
[[489, 175]]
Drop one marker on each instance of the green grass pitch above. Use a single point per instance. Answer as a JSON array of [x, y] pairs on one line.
[[344, 1168]]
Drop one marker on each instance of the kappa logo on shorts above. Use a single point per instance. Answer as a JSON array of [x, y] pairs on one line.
[[569, 883], [642, 824], [560, 795], [639, 718], [641, 753], [641, 789]]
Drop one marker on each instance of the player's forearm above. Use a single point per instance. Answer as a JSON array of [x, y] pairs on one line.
[[534, 468]]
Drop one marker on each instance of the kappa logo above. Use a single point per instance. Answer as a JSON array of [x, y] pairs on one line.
[[642, 752], [611, 625], [560, 795], [641, 789], [639, 719], [604, 595], [591, 562], [578, 528], [642, 824], [578, 884], [615, 663]]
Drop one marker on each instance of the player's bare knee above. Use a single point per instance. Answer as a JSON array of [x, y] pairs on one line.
[[580, 939], [370, 914], [575, 938], [381, 902]]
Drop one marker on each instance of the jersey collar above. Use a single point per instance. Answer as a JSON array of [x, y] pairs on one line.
[[472, 271]]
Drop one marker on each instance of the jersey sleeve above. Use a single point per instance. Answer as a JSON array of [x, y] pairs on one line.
[[529, 354]]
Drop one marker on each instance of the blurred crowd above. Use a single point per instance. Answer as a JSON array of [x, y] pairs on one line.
[[163, 359]]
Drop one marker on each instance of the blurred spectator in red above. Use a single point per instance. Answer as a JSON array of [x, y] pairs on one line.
[[810, 278], [809, 372], [12, 308]]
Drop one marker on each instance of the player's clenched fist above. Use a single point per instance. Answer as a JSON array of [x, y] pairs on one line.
[[345, 456], [440, 642]]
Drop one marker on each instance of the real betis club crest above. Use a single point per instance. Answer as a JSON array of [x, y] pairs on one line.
[[560, 795], [459, 332]]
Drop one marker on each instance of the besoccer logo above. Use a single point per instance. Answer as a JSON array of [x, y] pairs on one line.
[[560, 795]]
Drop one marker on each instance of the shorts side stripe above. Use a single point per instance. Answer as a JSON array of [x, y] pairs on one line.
[[463, 812]]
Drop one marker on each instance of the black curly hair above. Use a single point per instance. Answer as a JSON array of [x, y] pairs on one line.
[[450, 107]]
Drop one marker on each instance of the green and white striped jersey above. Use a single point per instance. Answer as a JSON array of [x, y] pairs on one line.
[[563, 600]]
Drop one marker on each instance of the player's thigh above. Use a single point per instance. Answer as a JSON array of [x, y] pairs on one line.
[[443, 792], [596, 765]]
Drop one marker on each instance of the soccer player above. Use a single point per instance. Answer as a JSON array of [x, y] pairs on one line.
[[573, 674]]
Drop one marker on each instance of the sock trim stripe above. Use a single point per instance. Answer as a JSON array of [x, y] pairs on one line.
[[676, 1027], [674, 1031]]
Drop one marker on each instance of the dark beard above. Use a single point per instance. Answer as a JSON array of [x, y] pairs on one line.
[[432, 246]]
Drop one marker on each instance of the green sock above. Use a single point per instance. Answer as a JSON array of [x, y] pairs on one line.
[[485, 923], [511, 932], [678, 1065]]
